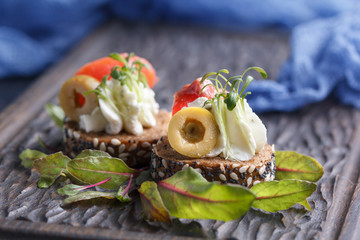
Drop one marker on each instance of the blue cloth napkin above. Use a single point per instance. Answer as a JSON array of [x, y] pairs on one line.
[[325, 58], [325, 40], [35, 34]]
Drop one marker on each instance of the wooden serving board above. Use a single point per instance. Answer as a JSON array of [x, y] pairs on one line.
[[327, 131]]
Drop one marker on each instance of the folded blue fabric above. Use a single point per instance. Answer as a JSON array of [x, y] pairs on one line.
[[325, 58], [35, 34], [325, 52]]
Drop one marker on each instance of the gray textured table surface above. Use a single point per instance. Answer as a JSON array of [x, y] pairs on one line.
[[327, 131]]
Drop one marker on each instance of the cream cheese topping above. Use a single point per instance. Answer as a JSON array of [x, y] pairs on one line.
[[242, 134], [122, 108]]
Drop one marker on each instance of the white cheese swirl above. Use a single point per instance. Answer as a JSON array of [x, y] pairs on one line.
[[121, 108]]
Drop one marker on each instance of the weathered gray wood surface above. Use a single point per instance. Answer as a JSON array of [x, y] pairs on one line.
[[327, 131]]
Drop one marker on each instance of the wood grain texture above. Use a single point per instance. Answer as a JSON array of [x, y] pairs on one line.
[[327, 131]]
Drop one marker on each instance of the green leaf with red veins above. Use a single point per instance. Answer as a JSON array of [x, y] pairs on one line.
[[152, 203], [50, 168], [92, 170], [88, 195], [188, 195], [28, 157], [70, 189], [121, 196], [293, 165], [123, 193], [280, 195], [92, 153]]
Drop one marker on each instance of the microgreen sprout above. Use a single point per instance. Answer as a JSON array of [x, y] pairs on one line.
[[125, 94], [130, 71], [237, 89], [129, 74]]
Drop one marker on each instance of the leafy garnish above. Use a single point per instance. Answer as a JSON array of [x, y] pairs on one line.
[[94, 169], [293, 165], [89, 195], [72, 189], [28, 157], [92, 153], [235, 94], [56, 114], [153, 206], [51, 167], [188, 195], [122, 193], [280, 195], [306, 204]]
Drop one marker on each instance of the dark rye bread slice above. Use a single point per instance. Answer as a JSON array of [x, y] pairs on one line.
[[134, 150], [165, 162]]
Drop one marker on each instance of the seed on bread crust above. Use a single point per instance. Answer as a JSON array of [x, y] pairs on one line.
[[134, 150], [167, 161]]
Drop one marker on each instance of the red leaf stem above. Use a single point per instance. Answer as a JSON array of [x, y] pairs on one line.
[[93, 185], [187, 194], [128, 186]]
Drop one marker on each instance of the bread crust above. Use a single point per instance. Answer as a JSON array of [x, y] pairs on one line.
[[134, 150], [165, 162]]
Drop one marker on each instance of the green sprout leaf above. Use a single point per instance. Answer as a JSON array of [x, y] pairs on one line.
[[28, 157], [293, 165], [51, 167], [95, 169], [230, 97], [56, 114], [231, 100], [117, 57], [188, 195], [260, 70], [153, 206], [280, 195], [115, 73]]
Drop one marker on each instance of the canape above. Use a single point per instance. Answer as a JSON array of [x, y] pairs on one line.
[[215, 131], [110, 106]]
